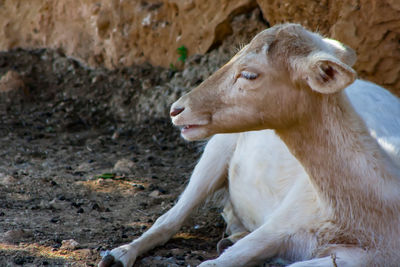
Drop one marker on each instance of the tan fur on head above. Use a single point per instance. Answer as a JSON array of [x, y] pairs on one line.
[[324, 64], [280, 57]]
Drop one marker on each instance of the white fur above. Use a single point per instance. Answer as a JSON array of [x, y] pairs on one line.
[[272, 203], [269, 191]]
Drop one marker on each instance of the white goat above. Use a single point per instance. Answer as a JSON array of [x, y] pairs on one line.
[[342, 208]]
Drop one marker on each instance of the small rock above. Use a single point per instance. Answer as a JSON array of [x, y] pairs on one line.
[[115, 135], [13, 88], [146, 84], [97, 78], [124, 166], [155, 193], [7, 179], [69, 244], [55, 204], [104, 182], [80, 210], [15, 236], [54, 220], [99, 208], [177, 251], [84, 167], [138, 186], [11, 81]]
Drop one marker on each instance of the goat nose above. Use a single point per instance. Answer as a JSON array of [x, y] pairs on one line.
[[176, 111]]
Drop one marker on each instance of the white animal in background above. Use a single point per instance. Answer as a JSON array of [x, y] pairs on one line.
[[337, 204]]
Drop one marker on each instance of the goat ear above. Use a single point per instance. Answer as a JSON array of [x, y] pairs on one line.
[[326, 74]]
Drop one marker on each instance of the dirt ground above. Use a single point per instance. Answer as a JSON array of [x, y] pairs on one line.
[[89, 158], [76, 179]]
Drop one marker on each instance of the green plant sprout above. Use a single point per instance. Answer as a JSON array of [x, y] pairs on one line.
[[182, 52]]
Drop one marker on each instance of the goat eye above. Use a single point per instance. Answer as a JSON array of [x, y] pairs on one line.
[[248, 75]]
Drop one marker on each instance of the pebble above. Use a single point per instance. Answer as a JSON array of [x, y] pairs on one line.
[[55, 220], [155, 194], [138, 186], [7, 179], [84, 167], [55, 204], [124, 166], [80, 210], [98, 207], [70, 244], [115, 135], [12, 81], [15, 236], [104, 182]]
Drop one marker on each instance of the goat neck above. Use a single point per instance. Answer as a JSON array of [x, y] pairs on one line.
[[346, 166]]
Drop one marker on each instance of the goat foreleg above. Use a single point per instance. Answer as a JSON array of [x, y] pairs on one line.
[[254, 248], [208, 176]]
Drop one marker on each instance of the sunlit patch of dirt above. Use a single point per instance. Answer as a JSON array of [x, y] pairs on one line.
[[188, 236], [114, 185], [49, 252]]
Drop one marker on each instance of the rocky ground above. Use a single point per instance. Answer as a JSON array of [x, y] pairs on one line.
[[85, 168], [89, 158]]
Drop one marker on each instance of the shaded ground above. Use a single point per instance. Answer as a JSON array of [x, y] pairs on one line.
[[60, 130], [90, 155]]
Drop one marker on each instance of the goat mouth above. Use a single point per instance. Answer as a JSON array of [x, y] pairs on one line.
[[189, 127], [193, 132]]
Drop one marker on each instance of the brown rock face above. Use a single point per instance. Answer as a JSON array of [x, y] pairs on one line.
[[116, 33]]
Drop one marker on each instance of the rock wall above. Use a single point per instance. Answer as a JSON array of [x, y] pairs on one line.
[[116, 33]]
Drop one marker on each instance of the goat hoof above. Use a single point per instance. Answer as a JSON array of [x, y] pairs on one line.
[[223, 244], [109, 261]]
